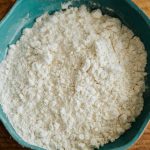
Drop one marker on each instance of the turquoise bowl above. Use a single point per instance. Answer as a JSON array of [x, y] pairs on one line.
[[23, 15]]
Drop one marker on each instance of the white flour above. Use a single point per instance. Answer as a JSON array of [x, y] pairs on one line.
[[73, 81]]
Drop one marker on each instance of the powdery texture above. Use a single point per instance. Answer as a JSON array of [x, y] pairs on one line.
[[74, 80]]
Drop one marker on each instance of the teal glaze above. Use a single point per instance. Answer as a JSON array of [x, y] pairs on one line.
[[23, 15]]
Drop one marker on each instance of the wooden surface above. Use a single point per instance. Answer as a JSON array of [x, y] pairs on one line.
[[7, 143]]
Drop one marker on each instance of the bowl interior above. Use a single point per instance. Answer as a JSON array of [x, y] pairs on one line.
[[23, 15]]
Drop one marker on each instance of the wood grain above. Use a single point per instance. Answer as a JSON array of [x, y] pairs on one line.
[[5, 5], [7, 143], [144, 4]]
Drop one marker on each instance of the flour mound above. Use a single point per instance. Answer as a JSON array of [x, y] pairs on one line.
[[73, 81]]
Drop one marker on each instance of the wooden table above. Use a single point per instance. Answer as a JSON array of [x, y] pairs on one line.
[[7, 143]]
